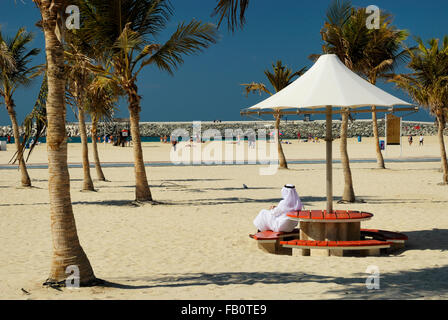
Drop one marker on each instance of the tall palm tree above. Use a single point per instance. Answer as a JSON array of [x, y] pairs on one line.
[[14, 73], [126, 29], [67, 250], [280, 78], [384, 52], [346, 35], [428, 85], [78, 75]]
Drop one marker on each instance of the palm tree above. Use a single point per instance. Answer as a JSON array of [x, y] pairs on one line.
[[371, 53], [383, 54], [428, 85], [279, 79], [67, 250], [78, 74], [100, 104], [346, 35], [126, 28], [14, 73]]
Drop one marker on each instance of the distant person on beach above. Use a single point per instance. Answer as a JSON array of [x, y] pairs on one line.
[[275, 219], [298, 136], [410, 140], [9, 139], [421, 140], [252, 141], [174, 142]]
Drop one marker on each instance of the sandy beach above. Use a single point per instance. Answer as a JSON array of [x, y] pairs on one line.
[[195, 244]]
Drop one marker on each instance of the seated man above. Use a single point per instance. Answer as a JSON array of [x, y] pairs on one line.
[[275, 219]]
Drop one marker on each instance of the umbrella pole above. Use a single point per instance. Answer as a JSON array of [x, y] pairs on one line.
[[329, 141]]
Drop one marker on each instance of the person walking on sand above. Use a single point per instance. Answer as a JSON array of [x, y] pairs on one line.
[[410, 140], [275, 219], [421, 140]]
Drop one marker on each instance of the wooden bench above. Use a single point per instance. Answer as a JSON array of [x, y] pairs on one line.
[[397, 239], [269, 241], [363, 247]]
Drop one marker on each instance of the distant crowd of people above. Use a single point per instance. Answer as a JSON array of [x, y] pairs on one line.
[[123, 139]]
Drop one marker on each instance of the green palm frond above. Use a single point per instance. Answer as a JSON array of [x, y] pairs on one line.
[[104, 21], [7, 63], [15, 50], [233, 11], [339, 12], [428, 83], [282, 76], [129, 40], [186, 40]]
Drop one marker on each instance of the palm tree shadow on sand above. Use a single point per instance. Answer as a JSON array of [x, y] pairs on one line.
[[307, 201], [408, 284]]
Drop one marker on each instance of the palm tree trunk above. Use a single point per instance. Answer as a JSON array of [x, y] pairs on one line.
[[142, 191], [379, 154], [25, 178], [87, 181], [349, 194], [99, 171], [67, 250], [281, 156], [442, 150]]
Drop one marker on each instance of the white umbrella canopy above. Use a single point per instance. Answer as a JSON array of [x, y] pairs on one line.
[[329, 83]]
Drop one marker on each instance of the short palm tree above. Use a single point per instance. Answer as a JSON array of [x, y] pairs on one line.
[[126, 30], [14, 73], [100, 105], [428, 85], [280, 78], [67, 250]]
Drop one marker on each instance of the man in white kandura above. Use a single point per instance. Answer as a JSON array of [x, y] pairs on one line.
[[276, 219]]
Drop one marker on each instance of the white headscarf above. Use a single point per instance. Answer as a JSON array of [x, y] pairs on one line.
[[290, 202]]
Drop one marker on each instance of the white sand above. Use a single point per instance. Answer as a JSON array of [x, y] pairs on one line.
[[196, 245]]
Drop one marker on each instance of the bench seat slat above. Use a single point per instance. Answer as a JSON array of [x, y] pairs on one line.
[[271, 235]]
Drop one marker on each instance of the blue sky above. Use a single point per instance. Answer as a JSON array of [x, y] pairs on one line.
[[207, 86]]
